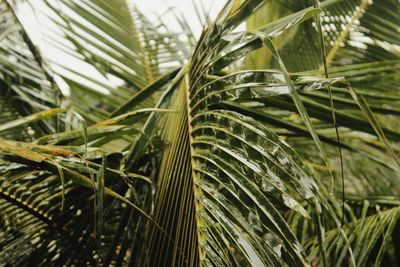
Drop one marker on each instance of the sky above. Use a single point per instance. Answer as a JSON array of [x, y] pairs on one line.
[[186, 7]]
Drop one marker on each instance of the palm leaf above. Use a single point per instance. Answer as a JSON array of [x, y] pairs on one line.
[[214, 162], [26, 84]]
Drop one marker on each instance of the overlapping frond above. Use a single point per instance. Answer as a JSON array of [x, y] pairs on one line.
[[116, 39], [27, 86], [50, 190], [237, 175]]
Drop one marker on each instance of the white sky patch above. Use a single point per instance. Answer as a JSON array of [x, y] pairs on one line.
[[187, 8]]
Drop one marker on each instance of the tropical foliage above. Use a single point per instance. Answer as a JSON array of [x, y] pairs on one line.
[[271, 146]]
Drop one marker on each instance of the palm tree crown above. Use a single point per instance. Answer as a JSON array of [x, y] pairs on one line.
[[276, 145]]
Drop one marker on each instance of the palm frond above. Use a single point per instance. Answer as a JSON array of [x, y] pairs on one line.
[[211, 158], [27, 86], [122, 44]]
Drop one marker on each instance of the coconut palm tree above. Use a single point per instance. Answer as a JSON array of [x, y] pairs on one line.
[[276, 145]]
